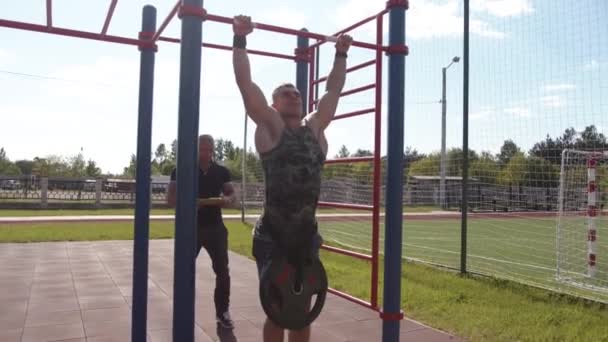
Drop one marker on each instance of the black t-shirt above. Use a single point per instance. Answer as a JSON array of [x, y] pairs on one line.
[[210, 184]]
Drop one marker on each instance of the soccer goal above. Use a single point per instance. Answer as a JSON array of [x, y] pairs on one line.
[[582, 230]]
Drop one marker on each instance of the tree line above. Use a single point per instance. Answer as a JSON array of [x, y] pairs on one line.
[[49, 166], [539, 166]]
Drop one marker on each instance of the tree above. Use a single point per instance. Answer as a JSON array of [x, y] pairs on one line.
[[343, 152], [590, 139], [548, 149], [541, 173], [455, 157], [51, 166], [26, 166], [161, 154], [427, 166], [130, 170], [253, 166], [77, 166], [551, 149], [6, 166], [173, 154], [224, 149], [92, 170], [155, 168], [411, 155], [219, 149], [486, 169], [10, 169], [507, 151], [362, 153], [167, 168], [515, 171]]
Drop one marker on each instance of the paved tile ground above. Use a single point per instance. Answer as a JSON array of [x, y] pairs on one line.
[[81, 291]]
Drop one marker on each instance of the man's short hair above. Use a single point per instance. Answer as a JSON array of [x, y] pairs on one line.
[[206, 138], [277, 90]]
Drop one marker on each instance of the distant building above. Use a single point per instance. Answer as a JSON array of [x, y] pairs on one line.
[[424, 190]]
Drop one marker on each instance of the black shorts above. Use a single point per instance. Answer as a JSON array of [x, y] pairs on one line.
[[264, 249]]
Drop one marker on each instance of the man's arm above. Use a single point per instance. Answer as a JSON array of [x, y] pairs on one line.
[[335, 83], [253, 98], [229, 195], [171, 191]]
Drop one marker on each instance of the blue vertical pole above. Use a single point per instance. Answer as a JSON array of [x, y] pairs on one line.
[[302, 72], [187, 175], [142, 198], [394, 181]]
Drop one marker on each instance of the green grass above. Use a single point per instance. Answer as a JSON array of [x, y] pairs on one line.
[[516, 248], [475, 308], [85, 212], [75, 212], [81, 231]]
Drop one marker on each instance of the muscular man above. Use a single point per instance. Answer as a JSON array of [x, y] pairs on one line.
[[292, 149]]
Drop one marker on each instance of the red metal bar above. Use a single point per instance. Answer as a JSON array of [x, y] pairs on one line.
[[349, 160], [49, 13], [355, 90], [253, 52], [377, 169], [363, 22], [345, 205], [354, 26], [279, 29], [351, 114], [353, 68], [358, 90], [106, 24], [67, 32], [167, 20], [347, 252], [351, 299], [229, 48]]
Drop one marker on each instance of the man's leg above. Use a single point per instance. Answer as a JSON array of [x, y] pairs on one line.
[[273, 333], [303, 335], [262, 252], [300, 335], [216, 244]]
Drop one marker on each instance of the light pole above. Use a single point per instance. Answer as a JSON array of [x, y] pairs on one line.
[[442, 193]]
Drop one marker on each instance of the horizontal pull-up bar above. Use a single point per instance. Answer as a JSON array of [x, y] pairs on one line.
[[300, 33], [229, 48], [353, 68], [103, 36], [352, 27], [69, 33], [354, 91], [356, 113]]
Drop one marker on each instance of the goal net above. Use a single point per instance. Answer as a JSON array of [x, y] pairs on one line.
[[582, 242]]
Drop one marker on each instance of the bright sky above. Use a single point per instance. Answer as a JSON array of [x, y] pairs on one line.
[[537, 67]]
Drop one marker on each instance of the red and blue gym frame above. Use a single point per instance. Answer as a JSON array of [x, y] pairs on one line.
[[192, 15]]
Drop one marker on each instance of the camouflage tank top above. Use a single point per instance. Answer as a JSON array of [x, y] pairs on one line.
[[292, 177]]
